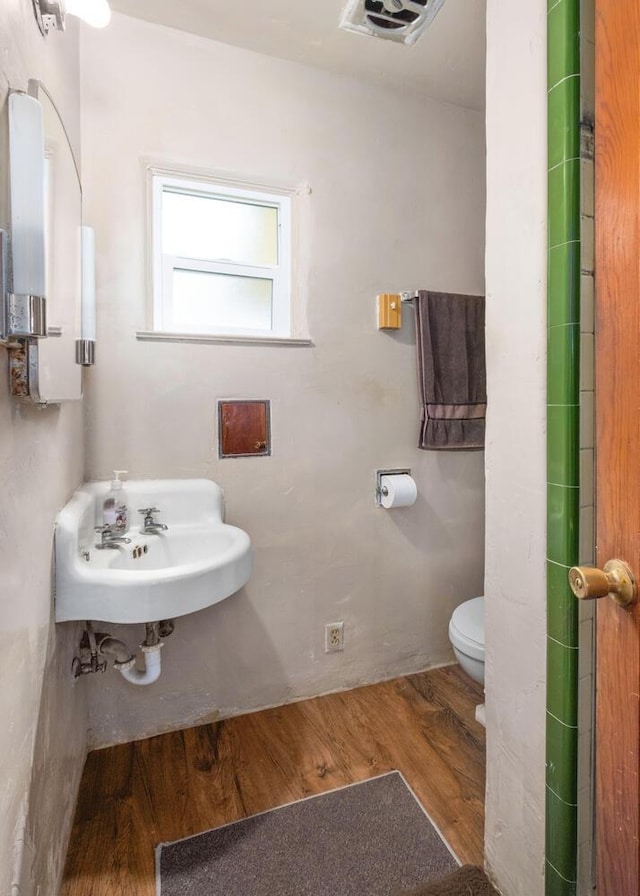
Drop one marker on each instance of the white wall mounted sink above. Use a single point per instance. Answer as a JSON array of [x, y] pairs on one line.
[[198, 561]]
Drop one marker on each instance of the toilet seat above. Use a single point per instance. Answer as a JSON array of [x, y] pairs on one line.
[[466, 628]]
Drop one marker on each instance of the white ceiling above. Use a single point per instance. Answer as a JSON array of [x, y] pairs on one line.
[[447, 63]]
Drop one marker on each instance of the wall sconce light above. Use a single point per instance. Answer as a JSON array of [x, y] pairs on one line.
[[50, 14], [23, 306], [86, 345]]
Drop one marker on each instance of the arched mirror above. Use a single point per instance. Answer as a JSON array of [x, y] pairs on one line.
[[44, 371]]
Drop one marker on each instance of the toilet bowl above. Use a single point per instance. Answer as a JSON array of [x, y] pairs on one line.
[[466, 633]]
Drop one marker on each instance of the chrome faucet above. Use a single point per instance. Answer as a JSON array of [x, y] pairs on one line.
[[150, 526], [110, 538]]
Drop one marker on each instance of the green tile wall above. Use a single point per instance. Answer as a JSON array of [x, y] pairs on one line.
[[563, 441]]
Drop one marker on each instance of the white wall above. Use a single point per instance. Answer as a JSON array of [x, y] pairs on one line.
[[515, 455], [397, 202], [42, 735]]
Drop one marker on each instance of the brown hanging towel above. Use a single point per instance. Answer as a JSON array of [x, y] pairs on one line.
[[451, 370]]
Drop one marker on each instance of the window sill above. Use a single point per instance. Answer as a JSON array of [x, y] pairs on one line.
[[282, 341]]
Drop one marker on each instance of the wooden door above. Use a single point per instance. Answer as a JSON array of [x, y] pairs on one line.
[[618, 439]]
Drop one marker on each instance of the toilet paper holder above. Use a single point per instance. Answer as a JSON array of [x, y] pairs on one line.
[[380, 488]]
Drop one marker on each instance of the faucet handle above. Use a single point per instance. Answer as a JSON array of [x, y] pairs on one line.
[[102, 529], [147, 511]]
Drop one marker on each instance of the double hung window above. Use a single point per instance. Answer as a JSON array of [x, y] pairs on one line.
[[221, 258]]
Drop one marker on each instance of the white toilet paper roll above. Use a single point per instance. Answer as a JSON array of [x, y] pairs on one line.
[[398, 490]]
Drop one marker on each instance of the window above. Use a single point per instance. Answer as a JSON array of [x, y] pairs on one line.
[[221, 258]]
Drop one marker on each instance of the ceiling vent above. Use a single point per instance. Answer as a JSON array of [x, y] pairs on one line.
[[399, 20]]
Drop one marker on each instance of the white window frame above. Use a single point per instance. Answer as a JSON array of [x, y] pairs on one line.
[[163, 266]]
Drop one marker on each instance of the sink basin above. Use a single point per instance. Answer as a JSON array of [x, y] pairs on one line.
[[198, 561]]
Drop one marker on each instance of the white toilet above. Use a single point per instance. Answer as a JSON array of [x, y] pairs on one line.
[[466, 633]]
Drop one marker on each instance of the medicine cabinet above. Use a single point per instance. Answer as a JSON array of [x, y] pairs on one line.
[[43, 366]]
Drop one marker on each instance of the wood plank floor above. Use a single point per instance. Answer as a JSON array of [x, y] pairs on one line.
[[136, 795]]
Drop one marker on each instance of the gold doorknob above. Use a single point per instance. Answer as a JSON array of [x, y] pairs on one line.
[[614, 580]]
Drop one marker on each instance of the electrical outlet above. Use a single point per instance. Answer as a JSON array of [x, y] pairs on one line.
[[333, 637]]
